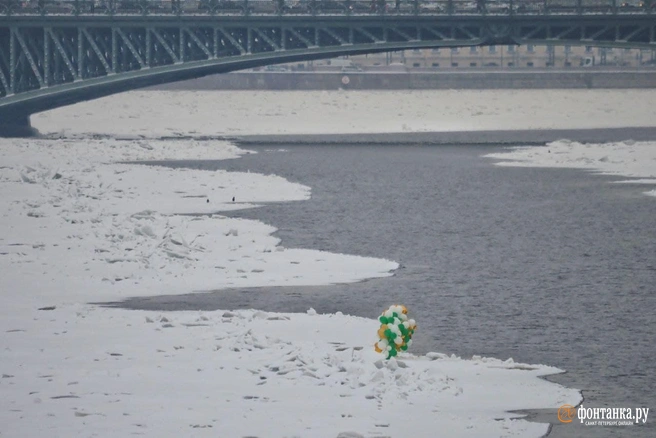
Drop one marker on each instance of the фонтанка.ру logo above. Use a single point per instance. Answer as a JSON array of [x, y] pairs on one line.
[[603, 416]]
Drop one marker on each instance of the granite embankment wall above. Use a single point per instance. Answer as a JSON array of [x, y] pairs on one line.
[[419, 81]]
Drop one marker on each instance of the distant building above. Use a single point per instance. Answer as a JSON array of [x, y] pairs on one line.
[[498, 57]]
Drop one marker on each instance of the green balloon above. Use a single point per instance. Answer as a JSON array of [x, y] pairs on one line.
[[404, 347], [388, 333], [382, 320], [392, 352], [403, 329]]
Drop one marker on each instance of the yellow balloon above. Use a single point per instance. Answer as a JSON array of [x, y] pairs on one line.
[[378, 350], [381, 331]]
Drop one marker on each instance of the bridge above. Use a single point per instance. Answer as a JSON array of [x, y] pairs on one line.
[[56, 53]]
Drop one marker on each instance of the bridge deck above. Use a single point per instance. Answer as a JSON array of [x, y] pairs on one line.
[[323, 7]]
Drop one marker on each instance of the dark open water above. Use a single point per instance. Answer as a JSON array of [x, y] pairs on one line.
[[542, 265]]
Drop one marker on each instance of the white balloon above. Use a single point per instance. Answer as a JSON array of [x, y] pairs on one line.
[[398, 340]]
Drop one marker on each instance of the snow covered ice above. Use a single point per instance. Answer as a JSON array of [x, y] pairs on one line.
[[80, 225], [196, 113], [631, 159]]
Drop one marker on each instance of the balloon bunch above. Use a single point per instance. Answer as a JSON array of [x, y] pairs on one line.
[[395, 331]]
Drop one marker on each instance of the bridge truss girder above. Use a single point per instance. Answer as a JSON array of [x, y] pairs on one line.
[[50, 62]]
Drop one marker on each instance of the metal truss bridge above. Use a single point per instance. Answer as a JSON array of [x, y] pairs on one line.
[[58, 53]]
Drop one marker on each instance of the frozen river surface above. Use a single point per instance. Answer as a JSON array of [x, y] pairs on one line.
[[541, 265]]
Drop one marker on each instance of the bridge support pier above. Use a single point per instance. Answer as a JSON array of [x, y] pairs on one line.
[[16, 126]]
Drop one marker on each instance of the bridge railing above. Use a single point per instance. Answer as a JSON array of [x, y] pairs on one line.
[[325, 7]]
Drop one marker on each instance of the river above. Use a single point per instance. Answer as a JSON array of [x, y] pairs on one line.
[[547, 266]]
